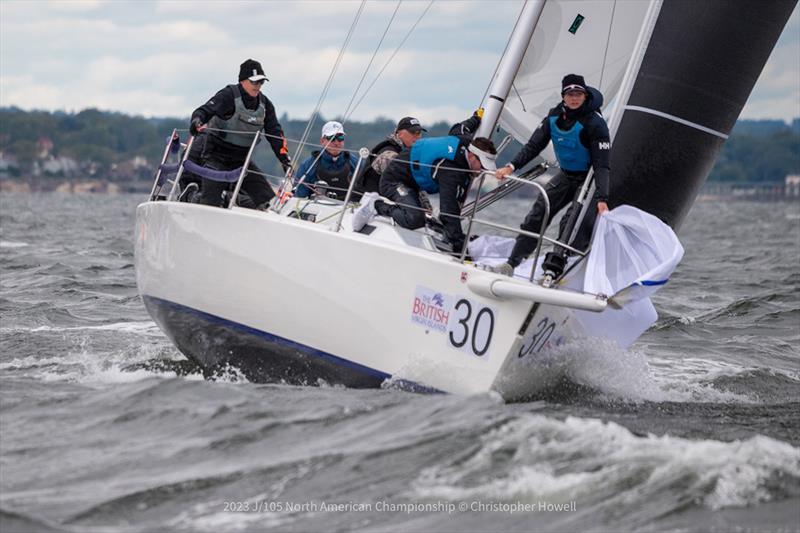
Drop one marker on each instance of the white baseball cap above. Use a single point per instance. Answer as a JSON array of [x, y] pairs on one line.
[[332, 128]]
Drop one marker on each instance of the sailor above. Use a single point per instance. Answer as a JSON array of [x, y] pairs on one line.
[[444, 165], [334, 166], [581, 141], [237, 108], [408, 130]]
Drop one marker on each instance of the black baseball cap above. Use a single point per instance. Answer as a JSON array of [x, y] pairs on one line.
[[411, 124], [251, 70]]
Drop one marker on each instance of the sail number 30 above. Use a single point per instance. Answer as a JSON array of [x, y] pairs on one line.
[[471, 331]]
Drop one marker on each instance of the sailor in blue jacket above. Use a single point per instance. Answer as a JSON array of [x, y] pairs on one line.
[[581, 141], [443, 165], [335, 166]]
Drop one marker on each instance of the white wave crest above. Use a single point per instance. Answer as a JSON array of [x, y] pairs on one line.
[[604, 465], [632, 375], [124, 327], [13, 244], [89, 366]]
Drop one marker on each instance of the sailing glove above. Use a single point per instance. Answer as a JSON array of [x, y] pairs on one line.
[[194, 127], [286, 163]]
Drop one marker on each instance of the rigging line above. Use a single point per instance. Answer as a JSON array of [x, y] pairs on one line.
[[329, 82], [392, 56], [608, 42], [521, 102], [323, 146], [586, 207], [346, 115], [497, 66]]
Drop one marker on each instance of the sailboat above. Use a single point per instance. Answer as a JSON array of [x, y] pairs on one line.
[[292, 294]]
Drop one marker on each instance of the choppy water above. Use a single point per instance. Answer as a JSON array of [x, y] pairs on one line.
[[104, 426]]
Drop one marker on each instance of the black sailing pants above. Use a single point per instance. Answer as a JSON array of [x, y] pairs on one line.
[[407, 211], [223, 158], [561, 191]]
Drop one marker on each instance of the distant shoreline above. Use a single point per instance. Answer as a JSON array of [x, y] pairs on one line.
[[710, 192]]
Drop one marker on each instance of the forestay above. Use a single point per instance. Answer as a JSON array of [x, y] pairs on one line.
[[594, 38]]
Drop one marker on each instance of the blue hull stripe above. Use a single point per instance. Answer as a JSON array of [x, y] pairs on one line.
[[349, 371], [269, 337]]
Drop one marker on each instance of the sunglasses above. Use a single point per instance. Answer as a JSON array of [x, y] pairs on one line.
[[337, 137], [259, 82]]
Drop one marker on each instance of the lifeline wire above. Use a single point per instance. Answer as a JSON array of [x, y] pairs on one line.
[[323, 146]]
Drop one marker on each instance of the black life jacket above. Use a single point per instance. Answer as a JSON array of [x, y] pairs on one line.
[[370, 179], [340, 179]]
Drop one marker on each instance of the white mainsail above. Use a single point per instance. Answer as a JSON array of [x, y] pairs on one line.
[[598, 39]]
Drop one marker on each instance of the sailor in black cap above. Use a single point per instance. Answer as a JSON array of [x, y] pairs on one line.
[[443, 165], [232, 117], [408, 130], [581, 141]]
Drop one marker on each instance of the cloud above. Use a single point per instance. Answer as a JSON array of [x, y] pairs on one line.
[[165, 58], [776, 94]]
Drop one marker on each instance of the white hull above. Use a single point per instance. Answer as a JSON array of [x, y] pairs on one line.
[[286, 299]]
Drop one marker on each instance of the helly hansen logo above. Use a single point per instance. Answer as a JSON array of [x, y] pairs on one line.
[[604, 145]]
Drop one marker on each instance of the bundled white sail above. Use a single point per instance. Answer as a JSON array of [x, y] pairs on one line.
[[599, 39]]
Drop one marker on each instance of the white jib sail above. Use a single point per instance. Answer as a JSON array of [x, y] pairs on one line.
[[595, 38]]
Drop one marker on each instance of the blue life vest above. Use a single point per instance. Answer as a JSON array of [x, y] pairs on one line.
[[424, 152], [572, 155]]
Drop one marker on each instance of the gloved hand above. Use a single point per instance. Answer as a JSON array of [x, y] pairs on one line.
[[478, 113], [194, 127], [286, 163]]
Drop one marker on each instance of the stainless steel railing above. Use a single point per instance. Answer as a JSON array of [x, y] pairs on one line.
[[364, 154]]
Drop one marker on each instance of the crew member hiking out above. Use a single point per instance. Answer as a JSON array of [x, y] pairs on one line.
[[407, 132], [443, 165]]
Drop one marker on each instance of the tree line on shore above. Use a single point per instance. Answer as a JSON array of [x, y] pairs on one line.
[[108, 145]]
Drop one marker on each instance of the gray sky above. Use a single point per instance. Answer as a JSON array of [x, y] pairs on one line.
[[165, 58]]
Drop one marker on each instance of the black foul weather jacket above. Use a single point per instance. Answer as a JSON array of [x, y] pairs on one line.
[[594, 137], [222, 105]]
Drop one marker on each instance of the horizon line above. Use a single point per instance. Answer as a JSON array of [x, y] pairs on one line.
[[378, 118]]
